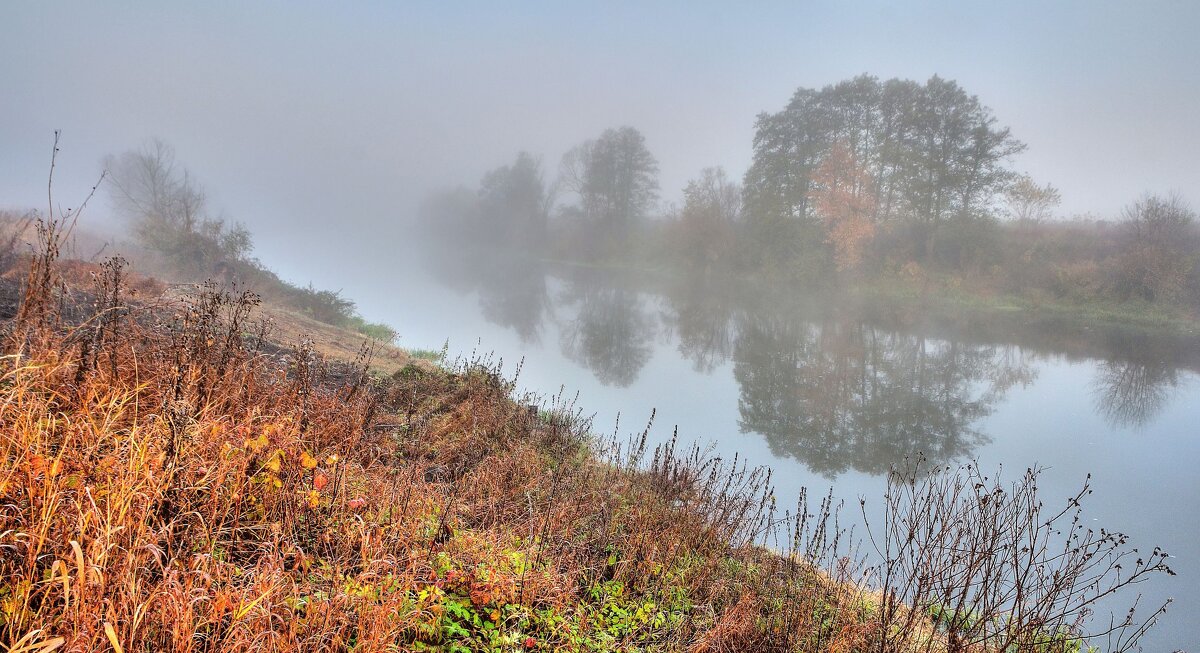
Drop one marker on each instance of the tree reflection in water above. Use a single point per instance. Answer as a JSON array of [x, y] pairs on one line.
[[844, 395], [1133, 386], [835, 387], [701, 317], [514, 295], [611, 332], [512, 287]]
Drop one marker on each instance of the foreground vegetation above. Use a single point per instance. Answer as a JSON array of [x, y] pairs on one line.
[[170, 484], [171, 479]]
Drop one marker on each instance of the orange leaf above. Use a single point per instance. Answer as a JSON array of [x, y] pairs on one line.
[[320, 481], [307, 461]]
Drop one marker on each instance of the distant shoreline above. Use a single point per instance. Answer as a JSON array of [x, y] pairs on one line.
[[941, 296]]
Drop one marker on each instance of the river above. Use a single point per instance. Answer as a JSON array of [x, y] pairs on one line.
[[831, 392]]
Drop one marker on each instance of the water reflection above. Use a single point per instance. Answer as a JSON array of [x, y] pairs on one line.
[[1130, 389], [844, 395], [512, 289], [611, 331], [700, 315], [836, 386], [515, 296]]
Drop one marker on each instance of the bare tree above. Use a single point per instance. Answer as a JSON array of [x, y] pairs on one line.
[[1158, 253], [1130, 390], [150, 190], [168, 211], [996, 570], [572, 171]]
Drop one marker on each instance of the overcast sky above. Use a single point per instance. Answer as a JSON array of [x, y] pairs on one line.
[[320, 124]]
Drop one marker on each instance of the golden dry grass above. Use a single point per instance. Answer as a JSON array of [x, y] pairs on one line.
[[169, 482]]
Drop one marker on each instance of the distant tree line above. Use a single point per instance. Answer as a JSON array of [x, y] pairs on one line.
[[605, 191], [865, 179]]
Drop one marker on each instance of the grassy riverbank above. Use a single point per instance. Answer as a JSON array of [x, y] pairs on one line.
[[257, 512], [179, 474], [947, 296], [175, 478]]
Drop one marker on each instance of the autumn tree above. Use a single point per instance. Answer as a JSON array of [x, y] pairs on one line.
[[843, 198], [936, 155], [712, 205], [1159, 251], [1026, 201]]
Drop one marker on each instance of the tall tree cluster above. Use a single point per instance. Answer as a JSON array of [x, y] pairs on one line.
[[610, 185], [865, 178], [934, 154], [615, 177], [508, 210]]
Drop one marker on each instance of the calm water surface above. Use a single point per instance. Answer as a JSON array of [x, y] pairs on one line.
[[830, 393]]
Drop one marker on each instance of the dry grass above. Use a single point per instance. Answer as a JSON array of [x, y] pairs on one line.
[[172, 481], [330, 342]]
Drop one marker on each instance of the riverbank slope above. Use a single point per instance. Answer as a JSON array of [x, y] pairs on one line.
[[178, 476]]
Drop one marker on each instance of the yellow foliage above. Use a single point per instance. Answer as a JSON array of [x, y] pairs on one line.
[[307, 461]]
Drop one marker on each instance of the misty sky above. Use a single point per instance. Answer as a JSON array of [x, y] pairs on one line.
[[321, 125]]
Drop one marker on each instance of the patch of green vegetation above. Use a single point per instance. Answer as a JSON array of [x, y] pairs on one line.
[[1134, 313], [426, 354], [618, 615], [460, 613], [433, 355], [376, 330], [409, 372], [1062, 641]]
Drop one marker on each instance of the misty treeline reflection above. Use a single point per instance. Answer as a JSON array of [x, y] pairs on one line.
[[838, 385]]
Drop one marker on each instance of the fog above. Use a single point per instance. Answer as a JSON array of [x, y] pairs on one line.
[[321, 128], [824, 236]]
